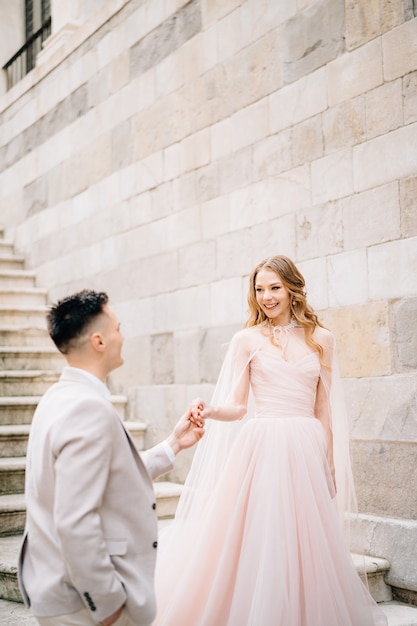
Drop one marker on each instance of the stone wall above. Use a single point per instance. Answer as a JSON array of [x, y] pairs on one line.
[[166, 146]]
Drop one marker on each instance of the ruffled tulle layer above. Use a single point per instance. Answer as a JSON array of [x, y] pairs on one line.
[[269, 550]]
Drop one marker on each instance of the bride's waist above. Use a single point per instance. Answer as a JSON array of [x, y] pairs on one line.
[[280, 413]]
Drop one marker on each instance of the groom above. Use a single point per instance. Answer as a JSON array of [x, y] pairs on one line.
[[89, 547]]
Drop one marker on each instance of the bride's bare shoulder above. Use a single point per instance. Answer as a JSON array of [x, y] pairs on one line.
[[252, 336], [323, 336]]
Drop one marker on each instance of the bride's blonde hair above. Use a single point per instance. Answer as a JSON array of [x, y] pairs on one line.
[[293, 280]]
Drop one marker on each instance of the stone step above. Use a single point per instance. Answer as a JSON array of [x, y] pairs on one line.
[[30, 296], [20, 409], [30, 358], [25, 336], [12, 511], [12, 475], [13, 440], [11, 262], [375, 569], [19, 315], [16, 278], [26, 382]]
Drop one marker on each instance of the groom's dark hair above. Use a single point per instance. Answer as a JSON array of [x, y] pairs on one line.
[[69, 318]]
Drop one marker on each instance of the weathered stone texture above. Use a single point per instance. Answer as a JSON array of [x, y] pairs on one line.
[[379, 469], [410, 98], [392, 269], [408, 195], [166, 38], [319, 226], [307, 141], [332, 176], [313, 38], [162, 359], [363, 340], [366, 19], [404, 315], [384, 110], [399, 49], [344, 125], [362, 223]]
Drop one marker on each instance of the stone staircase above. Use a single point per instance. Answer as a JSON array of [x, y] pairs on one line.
[[29, 364]]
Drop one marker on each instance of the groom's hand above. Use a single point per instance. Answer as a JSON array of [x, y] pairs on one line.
[[186, 432]]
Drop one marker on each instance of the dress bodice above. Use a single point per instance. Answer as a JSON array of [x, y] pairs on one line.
[[281, 388]]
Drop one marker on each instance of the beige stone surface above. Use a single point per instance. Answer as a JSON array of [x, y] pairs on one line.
[[363, 338], [366, 19], [249, 125], [216, 9], [392, 268], [345, 75], [399, 49], [379, 469], [347, 278], [410, 97], [384, 109], [317, 227], [408, 200], [307, 141], [362, 224], [332, 176], [344, 124], [385, 158]]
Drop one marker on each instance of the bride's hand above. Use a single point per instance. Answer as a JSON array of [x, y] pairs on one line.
[[200, 410]]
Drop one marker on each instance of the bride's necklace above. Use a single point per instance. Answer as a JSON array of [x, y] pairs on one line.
[[280, 335]]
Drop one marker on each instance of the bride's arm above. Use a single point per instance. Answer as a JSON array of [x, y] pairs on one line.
[[322, 412]]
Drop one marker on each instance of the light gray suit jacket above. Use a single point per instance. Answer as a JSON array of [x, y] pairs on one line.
[[91, 530]]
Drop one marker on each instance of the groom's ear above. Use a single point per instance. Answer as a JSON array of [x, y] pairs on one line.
[[97, 342]]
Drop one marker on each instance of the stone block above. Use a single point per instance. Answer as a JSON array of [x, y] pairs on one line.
[[215, 217], [172, 162], [344, 124], [410, 98], [392, 269], [408, 200], [277, 236], [332, 176], [385, 158], [347, 278], [162, 359], [152, 275], [249, 125], [366, 19], [165, 38], [35, 196], [313, 38], [121, 145], [315, 276], [272, 155], [195, 151], [185, 191], [384, 109], [319, 228], [200, 53], [307, 141], [289, 191], [197, 263], [362, 336], [298, 101], [235, 171], [232, 254], [162, 200], [119, 72], [226, 301], [187, 357], [207, 182], [346, 78], [213, 348], [250, 205], [396, 540], [404, 314], [399, 49], [221, 139], [187, 309], [379, 469], [169, 74], [229, 34], [261, 16], [382, 407], [213, 10], [362, 224]]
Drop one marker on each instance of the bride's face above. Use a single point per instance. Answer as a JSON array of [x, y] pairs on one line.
[[273, 297]]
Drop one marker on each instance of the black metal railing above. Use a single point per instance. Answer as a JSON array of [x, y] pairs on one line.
[[25, 58]]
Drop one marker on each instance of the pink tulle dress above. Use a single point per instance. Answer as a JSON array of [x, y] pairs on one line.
[[263, 546]]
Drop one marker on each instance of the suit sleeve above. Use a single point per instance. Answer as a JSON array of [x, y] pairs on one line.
[[82, 465], [157, 461]]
